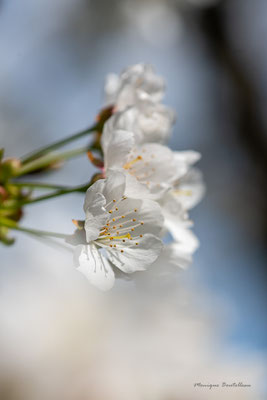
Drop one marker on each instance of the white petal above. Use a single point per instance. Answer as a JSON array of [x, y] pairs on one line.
[[126, 120], [154, 121], [95, 267], [189, 157], [146, 80], [135, 82], [135, 189], [99, 199], [132, 212], [176, 257], [151, 214], [154, 166], [170, 259], [114, 187], [185, 239], [136, 257], [127, 96], [116, 145], [158, 162], [94, 207], [92, 193], [172, 207], [190, 190], [149, 121]]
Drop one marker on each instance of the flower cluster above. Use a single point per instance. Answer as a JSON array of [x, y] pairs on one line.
[[147, 188]]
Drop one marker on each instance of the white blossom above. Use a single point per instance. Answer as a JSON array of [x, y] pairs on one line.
[[154, 167], [120, 231], [150, 122], [184, 194], [178, 224], [137, 82], [188, 190]]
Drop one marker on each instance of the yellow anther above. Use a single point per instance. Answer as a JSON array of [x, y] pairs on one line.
[[132, 229], [130, 163], [114, 227], [141, 235], [116, 208], [114, 201], [134, 219], [141, 223], [123, 216], [110, 245], [118, 233], [136, 243], [113, 219], [110, 211], [114, 245], [183, 192], [135, 210], [120, 226], [128, 236]]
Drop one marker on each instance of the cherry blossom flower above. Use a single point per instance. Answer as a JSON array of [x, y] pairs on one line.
[[120, 231], [190, 189], [137, 82], [178, 224], [150, 122], [187, 191], [154, 167]]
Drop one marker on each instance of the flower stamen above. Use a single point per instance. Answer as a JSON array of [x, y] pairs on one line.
[[130, 163]]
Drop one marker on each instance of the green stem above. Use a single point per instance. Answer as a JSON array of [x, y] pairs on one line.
[[37, 185], [8, 223], [60, 192], [57, 193], [47, 149], [48, 159]]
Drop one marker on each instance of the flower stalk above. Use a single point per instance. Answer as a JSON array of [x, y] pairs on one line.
[[62, 191], [48, 160], [56, 145], [97, 127], [10, 224]]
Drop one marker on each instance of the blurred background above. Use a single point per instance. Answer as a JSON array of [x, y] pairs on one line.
[[55, 55]]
